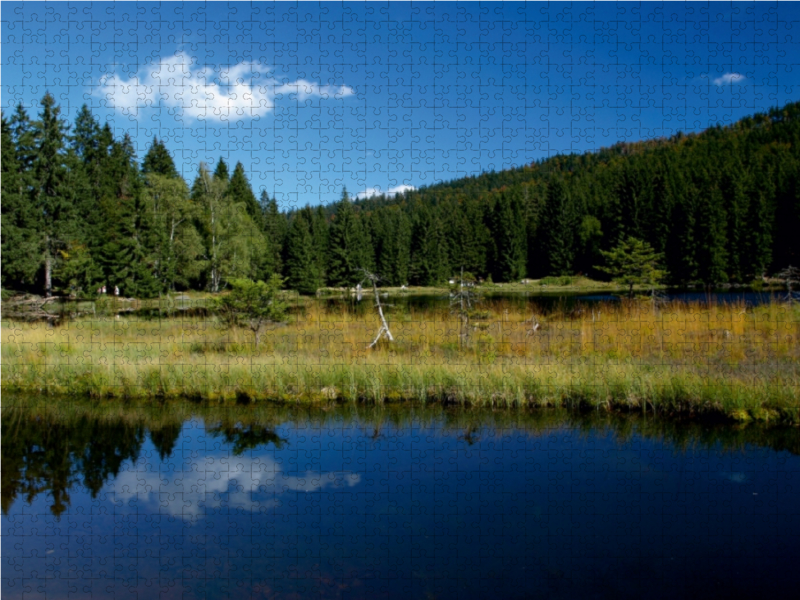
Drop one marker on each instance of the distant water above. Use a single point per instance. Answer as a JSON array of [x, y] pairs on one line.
[[359, 503], [543, 299]]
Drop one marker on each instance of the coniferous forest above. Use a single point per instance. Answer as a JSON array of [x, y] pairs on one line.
[[80, 211]]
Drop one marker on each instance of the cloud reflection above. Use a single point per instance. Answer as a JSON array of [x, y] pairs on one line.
[[250, 484]]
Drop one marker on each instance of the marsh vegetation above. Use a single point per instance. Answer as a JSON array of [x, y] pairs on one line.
[[633, 355]]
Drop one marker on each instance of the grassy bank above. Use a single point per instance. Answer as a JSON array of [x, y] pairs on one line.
[[731, 359]]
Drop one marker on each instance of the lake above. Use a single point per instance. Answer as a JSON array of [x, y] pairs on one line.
[[542, 301], [394, 501]]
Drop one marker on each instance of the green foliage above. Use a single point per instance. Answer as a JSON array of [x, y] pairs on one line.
[[559, 223], [633, 262], [221, 171], [78, 213], [20, 243], [234, 245], [347, 246], [429, 262], [252, 305], [158, 161], [510, 243], [274, 227], [302, 273]]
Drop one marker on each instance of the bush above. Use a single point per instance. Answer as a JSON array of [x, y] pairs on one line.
[[253, 305]]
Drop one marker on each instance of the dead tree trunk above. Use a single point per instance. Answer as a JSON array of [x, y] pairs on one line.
[[384, 330]]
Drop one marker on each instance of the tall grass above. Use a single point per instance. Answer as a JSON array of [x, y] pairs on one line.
[[734, 359]]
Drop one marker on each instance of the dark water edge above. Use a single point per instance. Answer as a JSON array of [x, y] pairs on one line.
[[537, 299], [354, 501]]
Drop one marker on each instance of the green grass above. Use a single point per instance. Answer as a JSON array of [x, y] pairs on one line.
[[681, 359]]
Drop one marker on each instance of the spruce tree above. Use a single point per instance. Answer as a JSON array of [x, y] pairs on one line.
[[158, 160], [301, 269], [343, 240], [558, 228], [240, 191], [429, 263], [274, 224], [508, 232], [52, 194], [19, 236], [633, 262], [221, 171]]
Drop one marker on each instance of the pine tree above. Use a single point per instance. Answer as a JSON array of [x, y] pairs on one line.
[[757, 241], [51, 193], [221, 171], [558, 227], [344, 253], [429, 263], [19, 236], [711, 254], [318, 225], [158, 160], [274, 224], [240, 192], [633, 262], [301, 269], [510, 241]]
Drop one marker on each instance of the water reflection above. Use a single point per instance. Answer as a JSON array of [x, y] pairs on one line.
[[189, 489], [395, 501]]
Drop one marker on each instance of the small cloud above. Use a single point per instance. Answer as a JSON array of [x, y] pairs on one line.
[[244, 90], [729, 79], [392, 191]]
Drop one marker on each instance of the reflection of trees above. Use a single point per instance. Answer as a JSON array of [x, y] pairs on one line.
[[48, 445], [41, 456], [164, 438], [245, 437]]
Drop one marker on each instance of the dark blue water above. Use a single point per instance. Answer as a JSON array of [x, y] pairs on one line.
[[713, 298], [542, 300], [409, 506]]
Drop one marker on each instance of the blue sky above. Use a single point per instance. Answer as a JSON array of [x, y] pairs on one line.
[[311, 97]]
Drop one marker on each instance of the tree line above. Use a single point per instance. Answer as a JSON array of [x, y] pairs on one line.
[[79, 211]]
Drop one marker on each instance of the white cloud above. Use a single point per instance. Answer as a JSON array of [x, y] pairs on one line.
[[221, 481], [377, 191], [240, 91], [729, 79]]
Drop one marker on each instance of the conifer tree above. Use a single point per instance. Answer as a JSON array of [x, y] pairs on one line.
[[633, 262], [241, 193], [19, 237], [51, 194], [344, 253], [559, 224], [274, 223], [158, 160], [221, 171], [429, 263], [711, 253], [508, 232], [318, 226], [302, 273]]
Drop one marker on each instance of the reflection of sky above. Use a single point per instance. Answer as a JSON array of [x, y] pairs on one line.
[[418, 511], [251, 484]]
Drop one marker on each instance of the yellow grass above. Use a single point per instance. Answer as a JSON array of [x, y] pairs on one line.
[[741, 361]]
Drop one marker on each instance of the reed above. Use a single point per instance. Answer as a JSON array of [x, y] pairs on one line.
[[732, 359]]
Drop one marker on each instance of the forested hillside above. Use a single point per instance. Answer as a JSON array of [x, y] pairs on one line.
[[80, 211]]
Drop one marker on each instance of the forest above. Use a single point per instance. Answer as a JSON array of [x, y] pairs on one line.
[[80, 211]]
